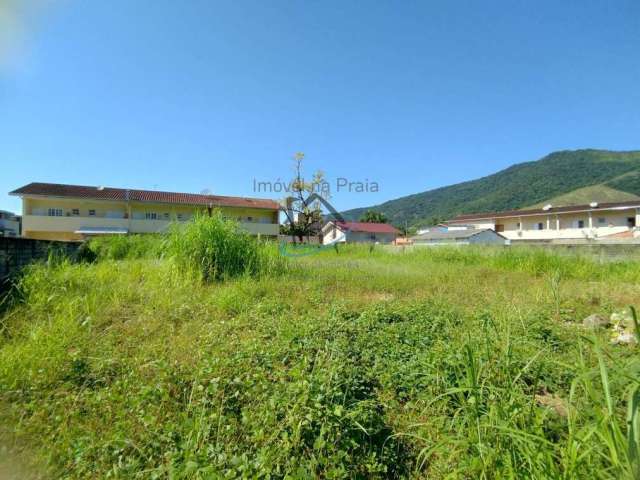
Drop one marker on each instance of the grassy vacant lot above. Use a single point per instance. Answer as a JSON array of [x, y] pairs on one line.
[[436, 363]]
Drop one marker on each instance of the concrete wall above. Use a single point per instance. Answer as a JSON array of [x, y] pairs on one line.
[[364, 237], [16, 253]]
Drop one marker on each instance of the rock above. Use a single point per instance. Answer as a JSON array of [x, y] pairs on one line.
[[624, 329], [623, 319], [596, 321], [624, 338], [554, 402]]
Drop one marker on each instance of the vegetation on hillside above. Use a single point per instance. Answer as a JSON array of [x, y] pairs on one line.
[[349, 364], [371, 216], [516, 187]]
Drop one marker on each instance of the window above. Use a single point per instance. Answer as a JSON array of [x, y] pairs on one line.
[[518, 226], [334, 233], [166, 216], [151, 215], [249, 219], [580, 223], [180, 216], [602, 221], [92, 213], [540, 226], [55, 212], [631, 222], [75, 212]]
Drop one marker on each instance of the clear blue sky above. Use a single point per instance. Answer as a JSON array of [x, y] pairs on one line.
[[188, 95]]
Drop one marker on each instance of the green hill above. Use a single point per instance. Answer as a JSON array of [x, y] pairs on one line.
[[595, 193], [558, 177]]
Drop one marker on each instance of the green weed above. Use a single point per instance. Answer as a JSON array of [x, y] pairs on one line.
[[433, 363]]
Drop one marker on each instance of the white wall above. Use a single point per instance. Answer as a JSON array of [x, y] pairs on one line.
[[332, 234]]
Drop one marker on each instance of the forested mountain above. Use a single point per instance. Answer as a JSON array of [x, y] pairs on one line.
[[561, 176]]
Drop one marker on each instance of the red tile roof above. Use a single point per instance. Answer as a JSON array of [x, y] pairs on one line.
[[540, 211], [367, 227], [122, 194]]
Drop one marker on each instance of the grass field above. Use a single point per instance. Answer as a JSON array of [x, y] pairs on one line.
[[437, 363]]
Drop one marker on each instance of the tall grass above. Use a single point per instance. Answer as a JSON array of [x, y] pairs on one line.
[[121, 247], [531, 260], [216, 248]]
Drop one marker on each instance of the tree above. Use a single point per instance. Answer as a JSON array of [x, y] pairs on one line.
[[436, 220], [302, 208], [406, 230], [371, 216]]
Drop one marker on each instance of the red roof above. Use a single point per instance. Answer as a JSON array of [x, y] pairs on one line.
[[122, 194], [367, 227]]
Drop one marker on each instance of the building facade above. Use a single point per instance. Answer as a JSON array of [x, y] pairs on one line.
[[581, 222], [358, 232], [72, 212]]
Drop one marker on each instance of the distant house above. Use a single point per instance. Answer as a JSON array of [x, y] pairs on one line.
[[593, 221], [358, 232], [9, 224], [440, 227], [459, 237]]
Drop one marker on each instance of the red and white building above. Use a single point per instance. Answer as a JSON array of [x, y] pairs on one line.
[[358, 232]]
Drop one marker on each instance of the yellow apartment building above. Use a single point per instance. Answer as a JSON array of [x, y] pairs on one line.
[[53, 211]]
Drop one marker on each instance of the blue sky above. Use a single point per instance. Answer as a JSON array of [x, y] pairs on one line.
[[194, 95]]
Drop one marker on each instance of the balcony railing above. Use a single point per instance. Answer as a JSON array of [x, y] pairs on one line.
[[142, 216], [133, 225]]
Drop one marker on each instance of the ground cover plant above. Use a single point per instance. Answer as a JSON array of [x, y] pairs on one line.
[[356, 363]]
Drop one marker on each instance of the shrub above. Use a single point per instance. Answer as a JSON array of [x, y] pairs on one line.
[[216, 248]]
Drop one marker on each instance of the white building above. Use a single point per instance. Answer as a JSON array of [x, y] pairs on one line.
[[358, 232], [593, 221]]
